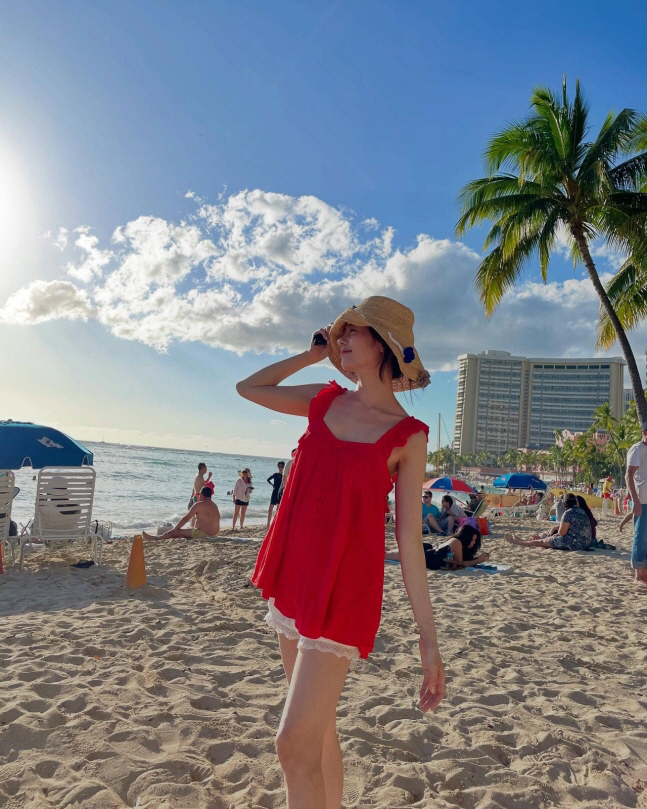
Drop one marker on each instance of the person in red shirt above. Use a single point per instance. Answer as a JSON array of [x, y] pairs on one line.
[[321, 565]]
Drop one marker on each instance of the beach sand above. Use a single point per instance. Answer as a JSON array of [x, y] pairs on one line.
[[170, 696]]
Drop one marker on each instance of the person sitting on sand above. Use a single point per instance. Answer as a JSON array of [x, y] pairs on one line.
[[573, 533], [430, 515], [207, 520], [450, 513], [464, 545], [585, 508]]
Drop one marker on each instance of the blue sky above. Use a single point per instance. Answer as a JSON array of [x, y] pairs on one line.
[[350, 124]]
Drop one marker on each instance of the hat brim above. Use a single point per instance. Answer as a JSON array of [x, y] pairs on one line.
[[414, 374]]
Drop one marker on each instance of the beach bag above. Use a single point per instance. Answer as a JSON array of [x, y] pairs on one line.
[[471, 521], [483, 527]]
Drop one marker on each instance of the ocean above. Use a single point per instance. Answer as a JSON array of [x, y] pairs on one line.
[[143, 487]]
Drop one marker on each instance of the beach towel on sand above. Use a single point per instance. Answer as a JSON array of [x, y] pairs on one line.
[[486, 567]]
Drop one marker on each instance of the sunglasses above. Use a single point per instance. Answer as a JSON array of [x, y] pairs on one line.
[[426, 497]]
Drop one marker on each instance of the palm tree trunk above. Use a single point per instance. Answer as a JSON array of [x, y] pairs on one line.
[[632, 367]]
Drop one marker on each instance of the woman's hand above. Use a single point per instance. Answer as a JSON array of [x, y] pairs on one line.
[[433, 671], [484, 557], [319, 352]]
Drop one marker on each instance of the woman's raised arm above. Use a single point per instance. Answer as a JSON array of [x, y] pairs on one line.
[[264, 388]]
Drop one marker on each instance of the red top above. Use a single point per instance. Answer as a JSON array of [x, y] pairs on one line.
[[323, 557]]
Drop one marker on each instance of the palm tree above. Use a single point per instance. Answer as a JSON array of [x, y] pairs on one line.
[[559, 180], [603, 419]]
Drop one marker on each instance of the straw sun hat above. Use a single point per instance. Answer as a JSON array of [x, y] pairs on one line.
[[394, 323]]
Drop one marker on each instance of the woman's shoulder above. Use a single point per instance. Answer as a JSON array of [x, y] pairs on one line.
[[321, 400]]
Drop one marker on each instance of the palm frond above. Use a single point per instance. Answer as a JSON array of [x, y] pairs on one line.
[[638, 142], [632, 174], [499, 273], [627, 292], [546, 241], [614, 138], [555, 114]]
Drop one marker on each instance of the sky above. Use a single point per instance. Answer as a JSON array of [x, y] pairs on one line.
[[189, 189]]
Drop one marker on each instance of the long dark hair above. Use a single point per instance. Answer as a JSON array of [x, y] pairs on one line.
[[466, 534], [570, 500], [581, 502], [389, 360]]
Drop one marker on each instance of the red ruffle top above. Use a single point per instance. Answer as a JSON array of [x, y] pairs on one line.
[[323, 557]]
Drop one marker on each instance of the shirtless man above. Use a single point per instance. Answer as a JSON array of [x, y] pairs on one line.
[[207, 518], [200, 481]]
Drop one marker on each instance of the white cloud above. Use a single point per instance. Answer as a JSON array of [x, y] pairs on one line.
[[93, 259], [46, 300], [259, 271], [277, 422]]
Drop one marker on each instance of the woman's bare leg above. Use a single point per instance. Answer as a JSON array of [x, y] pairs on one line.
[[513, 539], [269, 514], [243, 511], [236, 512], [307, 741]]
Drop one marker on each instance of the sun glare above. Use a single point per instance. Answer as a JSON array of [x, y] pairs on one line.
[[15, 203]]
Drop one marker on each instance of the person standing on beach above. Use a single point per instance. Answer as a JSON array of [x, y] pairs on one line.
[[199, 483], [321, 565], [242, 492], [637, 485], [286, 472], [275, 482]]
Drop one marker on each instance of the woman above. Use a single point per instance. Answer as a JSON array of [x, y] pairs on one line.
[[581, 502], [322, 568], [242, 492], [465, 543], [573, 533]]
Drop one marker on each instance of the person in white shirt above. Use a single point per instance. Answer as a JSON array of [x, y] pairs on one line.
[[242, 492], [637, 484]]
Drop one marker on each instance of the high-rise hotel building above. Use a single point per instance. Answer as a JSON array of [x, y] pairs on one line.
[[505, 402]]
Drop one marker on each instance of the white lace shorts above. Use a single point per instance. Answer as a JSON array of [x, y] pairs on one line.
[[285, 626]]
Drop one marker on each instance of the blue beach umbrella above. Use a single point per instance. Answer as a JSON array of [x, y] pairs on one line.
[[518, 480], [26, 444]]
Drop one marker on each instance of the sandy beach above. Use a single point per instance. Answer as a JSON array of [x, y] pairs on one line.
[[170, 696]]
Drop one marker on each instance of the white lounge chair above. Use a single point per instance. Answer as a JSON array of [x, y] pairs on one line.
[[7, 480], [64, 497]]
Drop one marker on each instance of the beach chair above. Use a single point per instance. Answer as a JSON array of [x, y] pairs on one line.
[[7, 480], [480, 509], [64, 497]]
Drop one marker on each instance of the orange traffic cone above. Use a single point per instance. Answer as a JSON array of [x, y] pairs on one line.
[[136, 575], [617, 499]]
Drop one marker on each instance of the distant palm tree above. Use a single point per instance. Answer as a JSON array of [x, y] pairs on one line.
[[559, 180]]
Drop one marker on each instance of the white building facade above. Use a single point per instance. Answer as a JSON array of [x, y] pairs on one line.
[[506, 402]]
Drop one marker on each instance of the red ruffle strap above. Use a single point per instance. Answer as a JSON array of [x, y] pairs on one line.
[[399, 435], [320, 403]]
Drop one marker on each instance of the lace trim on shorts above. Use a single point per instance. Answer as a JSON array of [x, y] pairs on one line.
[[287, 630], [325, 645], [285, 626]]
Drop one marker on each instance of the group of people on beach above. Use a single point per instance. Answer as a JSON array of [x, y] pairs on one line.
[[357, 443], [203, 515]]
